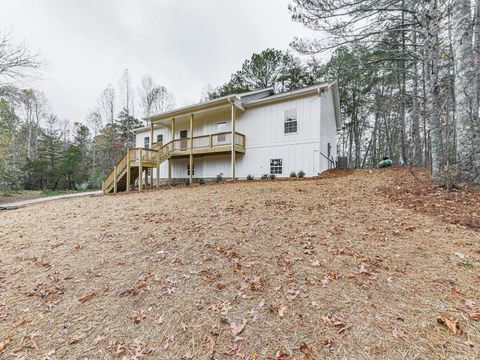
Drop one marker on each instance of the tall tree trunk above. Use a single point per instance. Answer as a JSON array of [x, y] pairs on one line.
[[464, 90], [432, 87], [417, 142], [403, 74]]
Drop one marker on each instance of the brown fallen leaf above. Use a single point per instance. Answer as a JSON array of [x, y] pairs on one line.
[[470, 304], [308, 352], [4, 343], [86, 297], [237, 328], [450, 324], [140, 349], [399, 333], [77, 338], [474, 314]]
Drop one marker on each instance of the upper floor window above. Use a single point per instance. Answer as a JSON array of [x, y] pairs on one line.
[[160, 138], [146, 142], [329, 150], [290, 124], [276, 166]]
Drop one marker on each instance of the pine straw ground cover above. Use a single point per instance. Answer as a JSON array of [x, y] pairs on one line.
[[314, 269]]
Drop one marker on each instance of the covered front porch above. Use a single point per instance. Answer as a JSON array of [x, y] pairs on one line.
[[200, 130]]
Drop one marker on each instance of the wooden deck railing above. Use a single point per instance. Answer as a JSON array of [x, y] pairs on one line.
[[205, 142], [130, 156], [160, 152]]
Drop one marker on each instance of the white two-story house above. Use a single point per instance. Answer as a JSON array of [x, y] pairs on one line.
[[256, 133], [274, 134]]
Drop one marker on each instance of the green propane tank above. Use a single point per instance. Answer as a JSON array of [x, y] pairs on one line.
[[386, 162]]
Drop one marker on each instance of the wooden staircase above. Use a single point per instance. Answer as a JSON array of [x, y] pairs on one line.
[[129, 169]]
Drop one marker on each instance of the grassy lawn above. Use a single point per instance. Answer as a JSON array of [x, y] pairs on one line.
[[306, 269]]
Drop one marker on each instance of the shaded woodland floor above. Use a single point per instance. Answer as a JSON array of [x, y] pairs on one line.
[[341, 267]]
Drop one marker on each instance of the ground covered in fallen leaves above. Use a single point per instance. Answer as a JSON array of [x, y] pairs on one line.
[[305, 269], [416, 190]]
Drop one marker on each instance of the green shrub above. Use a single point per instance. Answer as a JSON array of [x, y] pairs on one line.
[[186, 182], [264, 176], [293, 174], [467, 264], [219, 178], [272, 177], [249, 177], [50, 192], [11, 193], [301, 174], [201, 181]]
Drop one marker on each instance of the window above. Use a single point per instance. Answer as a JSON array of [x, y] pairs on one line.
[[188, 169], [329, 150], [146, 142], [221, 128], [160, 138], [276, 166], [290, 125]]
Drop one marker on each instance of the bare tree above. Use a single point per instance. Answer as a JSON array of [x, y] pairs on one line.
[[106, 104], [94, 119], [126, 93], [154, 99], [15, 60]]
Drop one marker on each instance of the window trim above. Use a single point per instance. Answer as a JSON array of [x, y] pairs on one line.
[[278, 168], [285, 121]]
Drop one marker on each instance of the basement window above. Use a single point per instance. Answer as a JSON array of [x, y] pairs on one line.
[[146, 142], [290, 124], [275, 166], [188, 169]]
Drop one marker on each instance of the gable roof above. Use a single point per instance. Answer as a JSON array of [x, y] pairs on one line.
[[253, 98]]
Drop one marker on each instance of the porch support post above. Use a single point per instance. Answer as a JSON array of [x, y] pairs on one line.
[[129, 174], [233, 141], [115, 179], [173, 129], [191, 149], [169, 171], [151, 134], [158, 168], [140, 170]]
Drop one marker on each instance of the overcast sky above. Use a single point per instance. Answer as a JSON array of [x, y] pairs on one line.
[[184, 44]]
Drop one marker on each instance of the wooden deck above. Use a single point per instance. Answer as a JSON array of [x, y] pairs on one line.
[[128, 172]]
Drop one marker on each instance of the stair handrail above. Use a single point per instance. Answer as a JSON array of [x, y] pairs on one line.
[[104, 182]]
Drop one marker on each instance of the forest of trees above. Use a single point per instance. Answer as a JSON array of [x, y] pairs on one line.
[[408, 73], [38, 150]]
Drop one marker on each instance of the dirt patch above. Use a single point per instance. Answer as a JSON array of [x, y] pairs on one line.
[[314, 269], [418, 192]]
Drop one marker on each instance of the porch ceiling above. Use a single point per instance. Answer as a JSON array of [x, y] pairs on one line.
[[212, 105]]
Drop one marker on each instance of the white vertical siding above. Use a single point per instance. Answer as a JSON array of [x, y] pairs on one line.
[[328, 128]]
